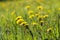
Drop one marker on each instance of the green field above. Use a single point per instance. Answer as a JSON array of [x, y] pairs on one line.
[[30, 20]]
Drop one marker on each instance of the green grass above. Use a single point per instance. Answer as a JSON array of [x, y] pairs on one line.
[[9, 30]]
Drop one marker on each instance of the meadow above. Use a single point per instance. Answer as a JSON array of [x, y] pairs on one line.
[[30, 20]]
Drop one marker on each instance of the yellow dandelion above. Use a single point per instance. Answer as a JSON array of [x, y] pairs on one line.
[[26, 25], [27, 7], [40, 7], [41, 23], [40, 17], [31, 16], [30, 12], [20, 21], [34, 23], [37, 14], [19, 17], [49, 29], [45, 16], [13, 12], [23, 23]]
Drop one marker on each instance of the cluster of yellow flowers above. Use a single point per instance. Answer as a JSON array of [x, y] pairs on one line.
[[38, 7], [38, 15], [31, 14], [27, 7], [40, 18], [20, 21]]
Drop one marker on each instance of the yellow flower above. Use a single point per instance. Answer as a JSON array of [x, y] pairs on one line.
[[27, 7], [37, 14], [19, 17], [20, 21], [13, 12], [30, 12], [26, 25], [45, 16], [31, 16], [40, 7], [40, 17], [23, 23], [42, 23], [34, 23], [49, 29]]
